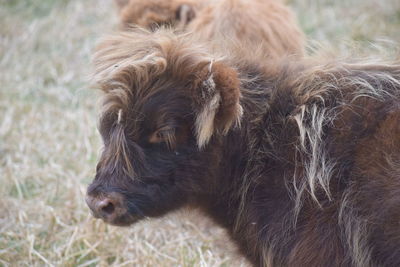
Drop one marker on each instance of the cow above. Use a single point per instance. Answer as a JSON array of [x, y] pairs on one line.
[[237, 26], [299, 160]]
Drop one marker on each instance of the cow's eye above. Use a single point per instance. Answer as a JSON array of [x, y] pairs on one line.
[[165, 135]]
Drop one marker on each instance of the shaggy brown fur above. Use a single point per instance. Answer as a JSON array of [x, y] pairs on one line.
[[153, 13], [300, 161], [239, 26]]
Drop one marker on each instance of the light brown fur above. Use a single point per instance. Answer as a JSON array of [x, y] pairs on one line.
[[264, 29], [153, 13]]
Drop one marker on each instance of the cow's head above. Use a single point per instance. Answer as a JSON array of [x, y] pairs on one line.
[[166, 104], [152, 14]]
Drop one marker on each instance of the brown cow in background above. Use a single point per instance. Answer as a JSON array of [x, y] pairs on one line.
[[299, 161], [266, 29]]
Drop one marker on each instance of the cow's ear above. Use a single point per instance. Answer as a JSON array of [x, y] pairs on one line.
[[185, 13], [121, 3], [216, 102]]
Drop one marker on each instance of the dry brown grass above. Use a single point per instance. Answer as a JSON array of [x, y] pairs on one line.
[[49, 143]]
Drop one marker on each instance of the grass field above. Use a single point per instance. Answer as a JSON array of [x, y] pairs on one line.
[[49, 143]]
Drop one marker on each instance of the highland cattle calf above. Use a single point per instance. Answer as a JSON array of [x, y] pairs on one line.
[[299, 161], [237, 26]]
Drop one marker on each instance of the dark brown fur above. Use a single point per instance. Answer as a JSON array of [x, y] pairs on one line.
[[300, 161]]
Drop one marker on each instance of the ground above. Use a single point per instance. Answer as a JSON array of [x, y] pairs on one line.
[[49, 143]]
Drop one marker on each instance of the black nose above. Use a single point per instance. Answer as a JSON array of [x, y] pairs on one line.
[[108, 207]]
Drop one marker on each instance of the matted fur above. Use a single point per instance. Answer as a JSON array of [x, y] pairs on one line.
[[266, 29], [310, 178], [124, 63]]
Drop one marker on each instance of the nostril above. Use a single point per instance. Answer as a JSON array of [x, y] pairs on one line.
[[108, 208]]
